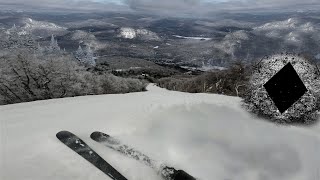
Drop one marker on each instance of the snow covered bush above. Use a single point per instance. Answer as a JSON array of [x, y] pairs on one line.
[[112, 84], [304, 110], [28, 77], [231, 81]]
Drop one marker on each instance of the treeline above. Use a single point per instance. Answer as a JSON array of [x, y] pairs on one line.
[[25, 77], [232, 81]]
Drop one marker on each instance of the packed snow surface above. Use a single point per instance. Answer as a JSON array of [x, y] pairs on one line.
[[209, 136]]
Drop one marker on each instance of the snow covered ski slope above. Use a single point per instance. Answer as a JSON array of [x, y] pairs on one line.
[[209, 136], [168, 173]]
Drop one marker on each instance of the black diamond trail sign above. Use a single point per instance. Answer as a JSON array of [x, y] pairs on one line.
[[285, 87]]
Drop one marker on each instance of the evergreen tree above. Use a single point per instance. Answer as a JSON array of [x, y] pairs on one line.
[[54, 47], [18, 39], [89, 57], [14, 29], [85, 57], [79, 54], [40, 49], [57, 46]]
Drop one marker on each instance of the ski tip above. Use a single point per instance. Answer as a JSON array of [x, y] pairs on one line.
[[98, 135], [63, 134]]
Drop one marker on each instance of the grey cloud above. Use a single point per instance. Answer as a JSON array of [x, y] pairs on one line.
[[164, 4], [171, 6], [72, 5], [164, 7], [199, 7]]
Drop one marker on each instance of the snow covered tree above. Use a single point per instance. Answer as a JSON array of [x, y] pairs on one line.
[[79, 54], [54, 46], [14, 29], [27, 77], [16, 38], [304, 110], [85, 57], [89, 57], [39, 49]]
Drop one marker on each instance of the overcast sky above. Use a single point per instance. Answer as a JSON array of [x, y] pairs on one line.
[[162, 6]]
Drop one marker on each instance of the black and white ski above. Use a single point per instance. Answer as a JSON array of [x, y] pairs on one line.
[[80, 147], [168, 173]]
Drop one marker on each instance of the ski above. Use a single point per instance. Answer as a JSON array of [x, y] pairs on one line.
[[80, 147], [168, 173]]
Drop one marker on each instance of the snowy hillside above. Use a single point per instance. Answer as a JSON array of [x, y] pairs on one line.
[[131, 33], [209, 136], [291, 23], [82, 35], [233, 40], [128, 33], [42, 28], [31, 24], [91, 23], [292, 30], [87, 39]]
